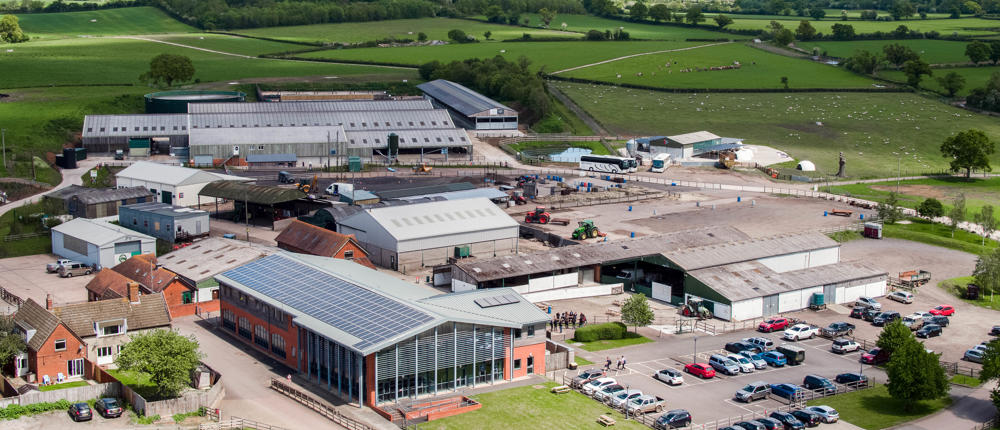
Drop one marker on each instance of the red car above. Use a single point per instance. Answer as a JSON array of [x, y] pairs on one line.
[[875, 356], [700, 370], [773, 324], [946, 310]]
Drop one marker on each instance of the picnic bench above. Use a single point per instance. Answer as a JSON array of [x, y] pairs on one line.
[[606, 421], [562, 389], [841, 212]]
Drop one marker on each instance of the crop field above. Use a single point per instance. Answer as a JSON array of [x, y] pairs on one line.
[[647, 31], [961, 26], [873, 130], [931, 51], [232, 44], [435, 28], [758, 69], [975, 77], [109, 22], [552, 55]]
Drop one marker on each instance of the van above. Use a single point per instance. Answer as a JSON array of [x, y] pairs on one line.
[[71, 269], [723, 364], [764, 343], [793, 354]]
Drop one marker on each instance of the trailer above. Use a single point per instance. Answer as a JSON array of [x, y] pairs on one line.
[[914, 278]]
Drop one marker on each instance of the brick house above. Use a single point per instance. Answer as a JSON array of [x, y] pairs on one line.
[[53, 349], [152, 278], [305, 238]]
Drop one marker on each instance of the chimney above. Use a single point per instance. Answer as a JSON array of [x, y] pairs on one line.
[[133, 292], [48, 302]]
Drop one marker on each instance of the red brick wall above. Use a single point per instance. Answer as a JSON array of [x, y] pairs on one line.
[[48, 361], [370, 380], [537, 351], [285, 330], [173, 294]]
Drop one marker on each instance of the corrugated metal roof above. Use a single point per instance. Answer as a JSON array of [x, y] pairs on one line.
[[259, 194], [312, 106], [165, 209], [426, 138], [99, 232], [209, 257], [271, 158], [489, 193], [462, 307], [461, 98], [594, 253], [751, 279], [424, 220], [65, 193], [692, 138], [104, 195], [747, 250], [140, 125], [427, 189], [173, 175], [265, 135], [351, 121]]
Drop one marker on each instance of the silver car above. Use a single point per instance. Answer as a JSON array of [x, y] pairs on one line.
[[745, 365], [723, 364], [758, 362], [828, 414]]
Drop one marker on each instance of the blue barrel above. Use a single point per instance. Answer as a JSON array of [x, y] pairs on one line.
[[862, 216], [550, 309], [632, 234], [739, 199], [673, 184], [630, 208], [824, 213]]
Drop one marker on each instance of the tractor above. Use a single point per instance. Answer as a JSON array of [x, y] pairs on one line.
[[539, 215], [305, 185], [586, 229], [694, 308], [422, 169]]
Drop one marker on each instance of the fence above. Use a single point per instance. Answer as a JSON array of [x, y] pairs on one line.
[[320, 407], [74, 394], [238, 423], [15, 237], [991, 423], [954, 368], [11, 298]]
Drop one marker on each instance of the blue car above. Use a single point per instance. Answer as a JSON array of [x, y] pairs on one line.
[[774, 358], [788, 391]]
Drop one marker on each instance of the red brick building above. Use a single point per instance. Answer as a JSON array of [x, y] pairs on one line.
[[143, 269], [305, 238], [53, 349]]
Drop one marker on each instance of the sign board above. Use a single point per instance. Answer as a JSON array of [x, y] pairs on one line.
[[333, 152], [93, 174], [120, 258]]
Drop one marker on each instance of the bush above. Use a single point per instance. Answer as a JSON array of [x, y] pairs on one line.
[[606, 331]]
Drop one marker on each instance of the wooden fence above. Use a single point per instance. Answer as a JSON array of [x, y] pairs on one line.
[[10, 297], [15, 237], [991, 423], [238, 423], [322, 408]]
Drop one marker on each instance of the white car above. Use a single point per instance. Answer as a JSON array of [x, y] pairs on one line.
[[763, 342], [597, 385], [828, 414], [800, 331], [901, 296], [913, 322], [842, 345], [623, 398], [54, 266], [922, 315], [606, 393], [670, 376], [745, 365], [758, 362], [868, 302]]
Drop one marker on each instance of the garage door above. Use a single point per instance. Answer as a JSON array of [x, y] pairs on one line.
[[771, 305]]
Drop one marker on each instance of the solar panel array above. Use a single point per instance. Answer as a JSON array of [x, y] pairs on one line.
[[346, 306], [489, 302]]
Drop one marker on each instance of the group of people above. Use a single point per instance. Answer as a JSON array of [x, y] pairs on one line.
[[619, 366], [568, 320]]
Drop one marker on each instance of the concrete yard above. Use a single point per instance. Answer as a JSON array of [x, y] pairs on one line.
[[26, 278]]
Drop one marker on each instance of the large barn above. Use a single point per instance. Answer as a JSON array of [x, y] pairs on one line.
[[470, 109]]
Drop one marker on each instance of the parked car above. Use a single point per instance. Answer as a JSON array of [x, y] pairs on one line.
[[858, 311], [774, 358], [819, 383], [585, 377], [974, 355], [940, 320], [870, 314], [884, 318], [80, 412], [618, 401], [929, 330], [745, 365], [875, 356], [770, 423], [838, 329], [828, 414], [605, 394], [922, 314], [700, 370], [596, 385], [946, 310], [72, 269], [723, 364], [995, 331], [756, 359], [773, 324], [645, 404], [108, 408], [670, 376], [763, 343], [673, 419], [851, 378], [842, 345], [793, 354], [788, 391], [753, 391], [809, 418], [905, 297], [913, 322], [54, 266], [868, 302], [788, 420], [801, 331], [739, 346], [750, 425]]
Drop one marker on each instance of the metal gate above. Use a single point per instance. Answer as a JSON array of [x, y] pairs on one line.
[[770, 305]]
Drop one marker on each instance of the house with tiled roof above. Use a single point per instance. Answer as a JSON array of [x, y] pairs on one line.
[[151, 277], [52, 348], [304, 238]]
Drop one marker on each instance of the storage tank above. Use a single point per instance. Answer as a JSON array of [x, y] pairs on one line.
[[177, 101]]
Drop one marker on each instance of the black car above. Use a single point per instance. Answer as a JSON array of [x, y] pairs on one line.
[[869, 314], [850, 378], [80, 412], [750, 425], [770, 423], [788, 420], [940, 320], [995, 331], [738, 347], [838, 329], [858, 312], [929, 330], [108, 408], [809, 418], [887, 317], [673, 419]]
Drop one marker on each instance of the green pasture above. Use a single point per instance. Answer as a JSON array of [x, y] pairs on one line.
[[869, 128], [931, 51], [231, 44], [978, 191], [552, 55], [947, 27], [648, 31], [109, 22], [975, 77], [758, 69], [435, 28]]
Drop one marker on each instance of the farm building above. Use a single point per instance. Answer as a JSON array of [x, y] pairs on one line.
[[198, 263], [691, 144], [174, 185], [263, 204], [83, 202], [427, 234], [178, 101], [98, 243], [145, 273], [163, 221], [300, 96], [469, 109], [313, 106], [305, 238], [302, 311]]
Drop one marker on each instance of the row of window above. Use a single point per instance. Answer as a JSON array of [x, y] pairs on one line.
[[529, 332], [260, 335], [531, 365], [412, 139], [107, 351], [162, 128], [276, 316], [315, 124]]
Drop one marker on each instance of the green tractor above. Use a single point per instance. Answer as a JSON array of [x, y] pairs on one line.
[[586, 230], [695, 308]]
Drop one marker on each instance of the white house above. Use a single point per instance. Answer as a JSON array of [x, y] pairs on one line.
[[174, 185], [96, 242]]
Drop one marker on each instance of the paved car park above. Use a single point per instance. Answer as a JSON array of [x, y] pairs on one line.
[[26, 278]]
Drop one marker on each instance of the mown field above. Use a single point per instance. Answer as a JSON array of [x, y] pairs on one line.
[[109, 22], [931, 51], [552, 55], [758, 69], [947, 27], [232, 44], [978, 192], [648, 31], [975, 77], [869, 128]]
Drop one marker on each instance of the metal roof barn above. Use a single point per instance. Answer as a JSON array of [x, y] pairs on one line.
[[259, 194], [460, 98], [747, 250], [172, 175], [313, 106]]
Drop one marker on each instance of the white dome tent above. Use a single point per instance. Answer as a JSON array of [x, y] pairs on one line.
[[806, 166]]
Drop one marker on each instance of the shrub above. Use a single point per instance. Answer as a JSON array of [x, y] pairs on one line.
[[606, 331]]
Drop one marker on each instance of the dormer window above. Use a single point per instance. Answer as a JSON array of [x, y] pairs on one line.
[[110, 328]]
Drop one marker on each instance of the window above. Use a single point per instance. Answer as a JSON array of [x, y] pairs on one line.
[[278, 345], [186, 297], [114, 129], [228, 319], [60, 344], [349, 255], [531, 365], [134, 221], [156, 225], [111, 329], [90, 129], [517, 364], [531, 331], [104, 351], [260, 336], [245, 328], [74, 367], [517, 333]]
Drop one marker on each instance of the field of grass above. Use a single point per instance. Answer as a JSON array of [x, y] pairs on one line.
[[630, 339], [232, 44], [968, 381], [647, 31], [529, 407], [20, 221], [978, 191], [957, 287], [562, 120], [874, 408], [931, 51], [62, 386], [975, 77], [137, 381], [868, 128], [552, 55], [920, 230], [110, 22], [580, 361], [947, 27], [758, 69], [435, 28], [547, 148]]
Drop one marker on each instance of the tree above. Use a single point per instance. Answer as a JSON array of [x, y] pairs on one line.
[[784, 81], [952, 82], [901, 32], [869, 15], [11, 343], [987, 272], [914, 70], [639, 11], [902, 9], [660, 12], [864, 62], [930, 208], [995, 52], [957, 213], [915, 374], [694, 15], [487, 34], [546, 15], [991, 367], [10, 30], [783, 37], [421, 36], [817, 13], [165, 355], [169, 68], [893, 336], [595, 35], [636, 311], [969, 149], [805, 31], [978, 52], [722, 21], [458, 36], [898, 54], [889, 210], [494, 14], [987, 221], [842, 31]]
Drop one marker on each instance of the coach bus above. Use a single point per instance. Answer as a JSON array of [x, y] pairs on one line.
[[605, 163]]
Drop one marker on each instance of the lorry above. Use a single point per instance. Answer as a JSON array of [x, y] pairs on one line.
[[645, 404], [660, 162]]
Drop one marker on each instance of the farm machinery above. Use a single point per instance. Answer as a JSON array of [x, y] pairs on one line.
[[422, 169], [540, 216], [305, 185], [586, 230], [694, 308]]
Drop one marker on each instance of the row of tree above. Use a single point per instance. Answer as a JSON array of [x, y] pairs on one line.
[[498, 78], [897, 9]]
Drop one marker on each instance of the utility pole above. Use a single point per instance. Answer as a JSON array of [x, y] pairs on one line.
[[899, 171], [3, 140], [328, 150], [246, 214]]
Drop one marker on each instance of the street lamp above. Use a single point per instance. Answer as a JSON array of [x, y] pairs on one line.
[[694, 358]]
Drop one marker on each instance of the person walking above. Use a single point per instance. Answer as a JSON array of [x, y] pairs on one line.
[[623, 362], [583, 320], [618, 365], [607, 364]]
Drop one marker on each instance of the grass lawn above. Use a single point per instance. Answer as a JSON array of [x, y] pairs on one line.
[[529, 407], [548, 148], [20, 221], [975, 77], [128, 20], [21, 167], [63, 385], [931, 51], [562, 120], [868, 128], [875, 409], [966, 380], [646, 31], [963, 26], [759, 69], [845, 236], [956, 286], [105, 177], [920, 230], [580, 361], [978, 191], [601, 345], [137, 381], [233, 44]]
